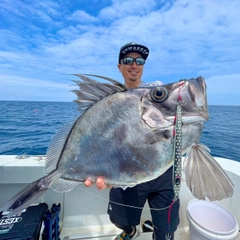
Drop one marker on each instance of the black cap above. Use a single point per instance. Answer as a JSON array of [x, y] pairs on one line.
[[133, 47]]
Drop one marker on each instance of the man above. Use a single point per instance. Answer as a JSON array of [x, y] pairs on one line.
[[125, 206]]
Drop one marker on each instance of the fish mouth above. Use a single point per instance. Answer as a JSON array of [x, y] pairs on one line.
[[189, 119], [201, 116], [193, 119]]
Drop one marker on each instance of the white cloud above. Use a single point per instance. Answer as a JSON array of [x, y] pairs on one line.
[[81, 16], [122, 9]]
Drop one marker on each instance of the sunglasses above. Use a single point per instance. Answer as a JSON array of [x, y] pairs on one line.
[[130, 61]]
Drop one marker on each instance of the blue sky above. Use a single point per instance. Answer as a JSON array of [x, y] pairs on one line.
[[41, 42]]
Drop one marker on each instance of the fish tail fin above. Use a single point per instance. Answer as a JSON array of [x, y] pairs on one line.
[[27, 196], [204, 176]]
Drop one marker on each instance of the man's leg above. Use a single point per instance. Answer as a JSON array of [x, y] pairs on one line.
[[129, 232], [164, 218], [125, 208]]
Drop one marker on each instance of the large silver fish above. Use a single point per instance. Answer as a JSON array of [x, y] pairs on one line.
[[126, 136]]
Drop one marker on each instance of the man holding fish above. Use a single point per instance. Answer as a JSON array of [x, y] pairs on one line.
[[138, 132], [126, 213]]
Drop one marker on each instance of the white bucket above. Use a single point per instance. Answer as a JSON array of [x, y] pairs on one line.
[[208, 220]]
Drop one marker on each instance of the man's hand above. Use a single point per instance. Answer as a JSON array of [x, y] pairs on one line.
[[99, 183]]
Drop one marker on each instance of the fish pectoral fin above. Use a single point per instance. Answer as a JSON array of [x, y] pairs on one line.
[[204, 176], [64, 185]]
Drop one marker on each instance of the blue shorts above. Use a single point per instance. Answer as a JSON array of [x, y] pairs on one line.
[[158, 192]]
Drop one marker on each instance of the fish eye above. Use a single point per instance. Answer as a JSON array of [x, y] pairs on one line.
[[159, 94]]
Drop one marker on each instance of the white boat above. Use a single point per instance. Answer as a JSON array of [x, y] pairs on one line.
[[84, 210]]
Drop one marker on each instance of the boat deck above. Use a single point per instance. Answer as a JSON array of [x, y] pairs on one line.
[[181, 234]]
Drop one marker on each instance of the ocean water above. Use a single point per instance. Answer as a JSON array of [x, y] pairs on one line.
[[28, 127]]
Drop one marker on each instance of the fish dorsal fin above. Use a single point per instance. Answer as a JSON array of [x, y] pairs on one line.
[[92, 91], [55, 148]]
